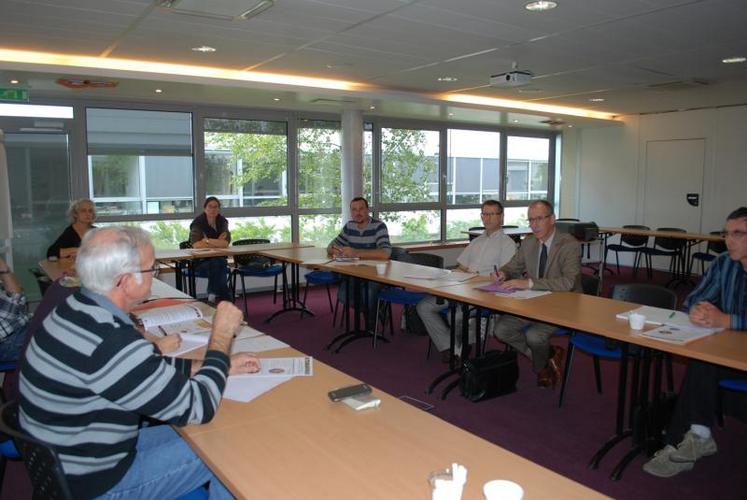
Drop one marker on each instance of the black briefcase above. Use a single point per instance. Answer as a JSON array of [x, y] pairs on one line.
[[490, 376]]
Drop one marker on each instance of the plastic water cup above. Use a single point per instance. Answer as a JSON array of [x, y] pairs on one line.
[[636, 321], [500, 489], [380, 268]]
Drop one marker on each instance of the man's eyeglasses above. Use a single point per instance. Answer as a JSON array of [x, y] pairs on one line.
[[735, 235], [532, 220], [156, 270], [490, 214]]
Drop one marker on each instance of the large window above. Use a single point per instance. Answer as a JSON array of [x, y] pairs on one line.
[[527, 168], [319, 164], [409, 165], [139, 162], [246, 162], [473, 169]]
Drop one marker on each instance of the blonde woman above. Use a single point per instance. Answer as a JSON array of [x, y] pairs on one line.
[[82, 214]]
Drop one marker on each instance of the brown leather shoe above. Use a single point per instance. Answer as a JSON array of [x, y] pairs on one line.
[[555, 365], [545, 378]]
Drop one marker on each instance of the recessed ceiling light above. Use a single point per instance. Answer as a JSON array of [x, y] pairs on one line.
[[372, 107], [541, 5], [14, 82], [515, 120], [451, 114], [159, 91], [733, 60], [203, 49], [570, 126], [597, 99], [276, 99], [447, 79]]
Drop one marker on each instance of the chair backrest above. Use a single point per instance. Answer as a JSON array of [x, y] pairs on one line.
[[254, 261], [645, 294], [475, 228], [670, 243], [185, 244], [401, 254], [716, 247], [591, 284], [634, 240], [428, 259], [41, 460], [567, 219]]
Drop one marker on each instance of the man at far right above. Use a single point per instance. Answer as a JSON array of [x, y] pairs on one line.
[[720, 300]]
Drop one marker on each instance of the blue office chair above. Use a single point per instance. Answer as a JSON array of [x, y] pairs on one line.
[[392, 295], [713, 249], [729, 384], [325, 278], [189, 269], [8, 449], [255, 266], [599, 347]]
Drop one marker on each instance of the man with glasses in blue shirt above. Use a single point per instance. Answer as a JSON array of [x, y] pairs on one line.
[[546, 260], [720, 300]]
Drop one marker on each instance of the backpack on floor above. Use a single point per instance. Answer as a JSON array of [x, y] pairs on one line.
[[489, 376]]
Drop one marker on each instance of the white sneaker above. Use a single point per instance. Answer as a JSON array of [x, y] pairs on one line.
[[693, 447], [661, 465]]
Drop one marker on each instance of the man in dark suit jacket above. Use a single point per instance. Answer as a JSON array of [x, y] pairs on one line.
[[546, 260]]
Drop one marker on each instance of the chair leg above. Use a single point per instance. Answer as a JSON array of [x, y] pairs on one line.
[[275, 290], [720, 408], [566, 373], [329, 297], [617, 260], [428, 352], [598, 374], [243, 298], [390, 315]]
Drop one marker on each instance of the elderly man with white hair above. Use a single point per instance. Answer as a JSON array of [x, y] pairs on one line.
[[90, 378]]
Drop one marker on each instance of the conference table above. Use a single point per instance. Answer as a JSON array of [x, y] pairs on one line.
[[293, 442]]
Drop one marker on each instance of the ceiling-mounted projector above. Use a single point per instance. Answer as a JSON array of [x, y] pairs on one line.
[[515, 78]]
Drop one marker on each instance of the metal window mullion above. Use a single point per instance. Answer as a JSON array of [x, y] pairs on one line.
[[443, 153], [292, 173]]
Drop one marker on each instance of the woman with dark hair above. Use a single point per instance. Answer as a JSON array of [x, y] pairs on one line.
[[210, 230], [82, 214]]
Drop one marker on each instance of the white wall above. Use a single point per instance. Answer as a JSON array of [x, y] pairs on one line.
[[604, 167]]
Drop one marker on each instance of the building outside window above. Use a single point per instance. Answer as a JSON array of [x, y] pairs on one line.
[[140, 162]]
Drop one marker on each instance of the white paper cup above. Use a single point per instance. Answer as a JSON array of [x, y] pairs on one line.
[[636, 321], [380, 268], [500, 489]]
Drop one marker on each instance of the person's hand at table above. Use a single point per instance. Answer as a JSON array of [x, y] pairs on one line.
[[707, 315], [168, 343], [520, 284], [244, 362], [498, 276], [226, 322]]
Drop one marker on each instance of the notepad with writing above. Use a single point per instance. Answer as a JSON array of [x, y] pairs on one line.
[[678, 334], [658, 316], [153, 318], [495, 287]]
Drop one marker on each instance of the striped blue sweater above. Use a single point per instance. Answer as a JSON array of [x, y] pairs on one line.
[[373, 236], [89, 377], [725, 286]]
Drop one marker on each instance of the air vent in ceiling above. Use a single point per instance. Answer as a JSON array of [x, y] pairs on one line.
[[225, 10], [679, 85]]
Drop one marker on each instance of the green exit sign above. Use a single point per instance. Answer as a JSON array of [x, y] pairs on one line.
[[14, 94]]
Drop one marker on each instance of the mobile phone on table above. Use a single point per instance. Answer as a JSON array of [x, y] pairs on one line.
[[348, 391]]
